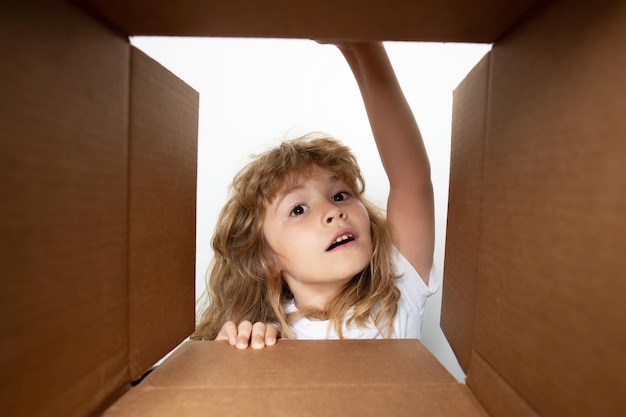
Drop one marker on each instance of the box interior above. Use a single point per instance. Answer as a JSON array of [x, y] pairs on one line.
[[64, 159], [441, 21], [536, 228], [98, 158], [162, 211], [309, 378]]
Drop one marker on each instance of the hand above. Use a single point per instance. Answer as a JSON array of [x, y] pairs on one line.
[[259, 335]]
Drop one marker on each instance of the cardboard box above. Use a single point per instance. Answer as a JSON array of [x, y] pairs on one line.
[[98, 164], [441, 21], [304, 378], [535, 245]]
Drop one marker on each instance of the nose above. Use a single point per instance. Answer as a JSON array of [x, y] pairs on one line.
[[333, 215]]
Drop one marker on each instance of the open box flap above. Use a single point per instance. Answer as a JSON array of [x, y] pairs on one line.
[[306, 378], [434, 21], [63, 227], [162, 206], [545, 264], [96, 287]]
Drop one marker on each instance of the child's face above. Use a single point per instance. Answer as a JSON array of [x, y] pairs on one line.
[[321, 233]]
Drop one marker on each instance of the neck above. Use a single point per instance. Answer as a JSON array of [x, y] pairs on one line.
[[314, 297]]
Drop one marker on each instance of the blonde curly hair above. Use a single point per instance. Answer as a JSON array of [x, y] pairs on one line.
[[244, 284]]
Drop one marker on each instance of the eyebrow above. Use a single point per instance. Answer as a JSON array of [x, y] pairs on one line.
[[281, 195]]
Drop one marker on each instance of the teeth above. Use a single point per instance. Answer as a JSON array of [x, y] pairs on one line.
[[339, 241], [342, 238]]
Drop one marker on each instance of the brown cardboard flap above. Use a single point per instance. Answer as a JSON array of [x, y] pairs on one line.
[[330, 400], [162, 228], [63, 164], [441, 21], [494, 392], [308, 378], [464, 207], [550, 309]]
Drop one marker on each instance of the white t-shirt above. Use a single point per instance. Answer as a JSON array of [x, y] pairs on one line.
[[406, 325]]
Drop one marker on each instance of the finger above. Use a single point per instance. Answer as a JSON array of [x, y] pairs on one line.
[[271, 333], [258, 336], [244, 331], [228, 332]]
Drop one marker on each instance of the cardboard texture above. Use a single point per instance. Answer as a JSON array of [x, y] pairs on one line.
[[63, 227], [548, 320], [440, 21], [98, 164], [162, 234], [83, 309], [464, 210], [305, 378]]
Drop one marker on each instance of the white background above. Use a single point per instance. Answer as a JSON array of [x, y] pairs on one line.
[[256, 92]]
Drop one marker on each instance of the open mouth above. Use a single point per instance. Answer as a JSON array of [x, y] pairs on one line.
[[341, 240]]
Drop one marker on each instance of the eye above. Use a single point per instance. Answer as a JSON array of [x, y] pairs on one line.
[[298, 210], [341, 196]]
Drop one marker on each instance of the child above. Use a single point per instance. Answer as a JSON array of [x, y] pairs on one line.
[[298, 249]]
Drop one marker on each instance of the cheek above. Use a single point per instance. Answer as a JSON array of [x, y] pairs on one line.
[[277, 243], [364, 216], [271, 258], [268, 229], [367, 226]]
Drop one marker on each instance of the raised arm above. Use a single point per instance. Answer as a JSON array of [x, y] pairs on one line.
[[410, 206]]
